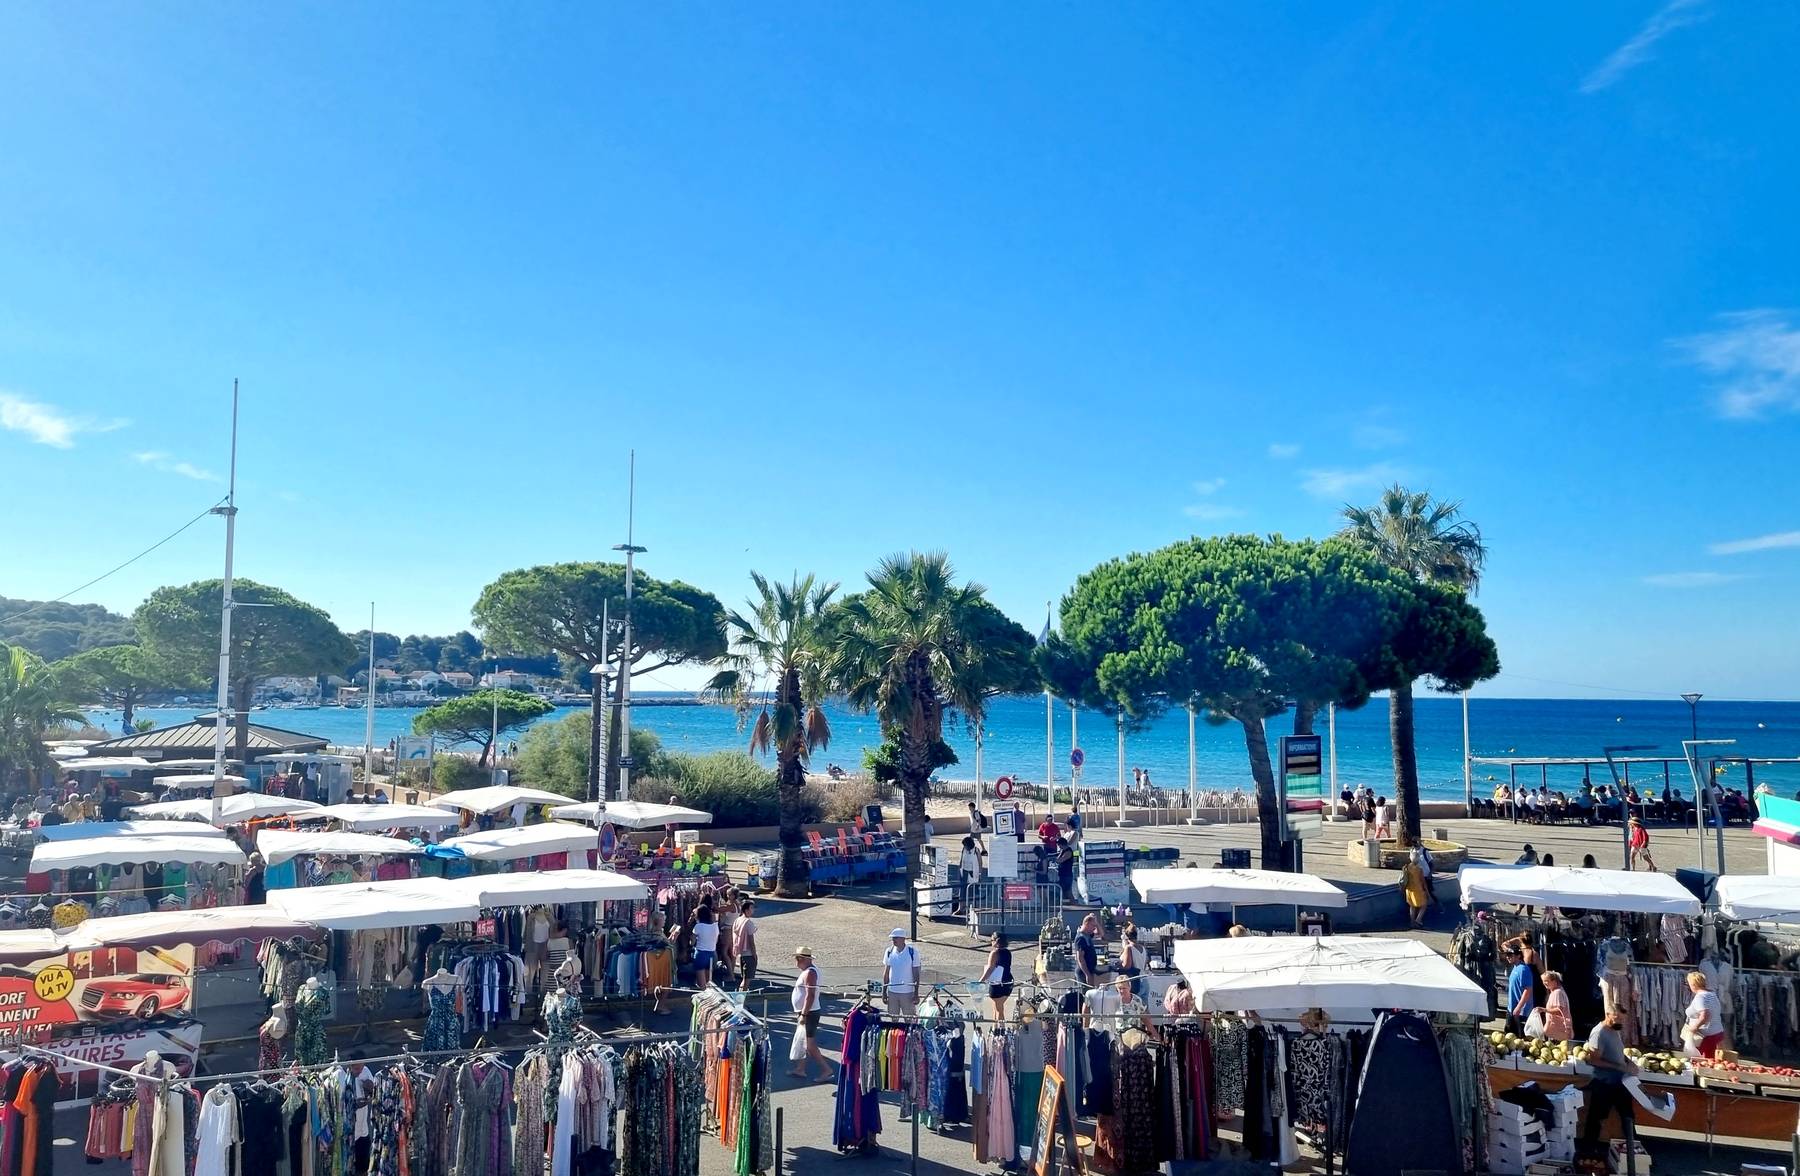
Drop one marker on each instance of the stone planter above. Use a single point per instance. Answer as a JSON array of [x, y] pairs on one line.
[[1446, 856]]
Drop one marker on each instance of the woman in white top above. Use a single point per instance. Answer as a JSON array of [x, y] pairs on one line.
[[1705, 1024], [706, 943]]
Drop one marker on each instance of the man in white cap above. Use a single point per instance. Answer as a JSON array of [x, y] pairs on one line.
[[900, 969]]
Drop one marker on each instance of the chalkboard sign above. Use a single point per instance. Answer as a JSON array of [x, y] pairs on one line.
[[1050, 1116]]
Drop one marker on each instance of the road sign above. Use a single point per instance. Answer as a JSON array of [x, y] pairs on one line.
[[1077, 757], [1302, 785]]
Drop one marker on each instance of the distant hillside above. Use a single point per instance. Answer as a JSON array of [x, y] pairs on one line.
[[56, 631]]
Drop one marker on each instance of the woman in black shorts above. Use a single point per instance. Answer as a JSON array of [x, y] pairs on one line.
[[999, 975]]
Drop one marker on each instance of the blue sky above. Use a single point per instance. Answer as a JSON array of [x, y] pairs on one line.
[[858, 278]]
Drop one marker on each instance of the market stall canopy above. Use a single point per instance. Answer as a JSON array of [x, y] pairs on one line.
[[496, 797], [385, 816], [1626, 891], [1332, 971], [83, 830], [119, 851], [1241, 887], [632, 814], [553, 886], [196, 740], [193, 783], [1758, 898], [67, 752], [166, 928], [504, 845], [279, 845], [106, 763], [374, 906], [245, 806], [189, 765]]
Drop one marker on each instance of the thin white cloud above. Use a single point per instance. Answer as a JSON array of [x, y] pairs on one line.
[[1342, 483], [1771, 542], [1635, 52], [1370, 436], [1210, 511], [1690, 579], [1283, 451], [48, 425], [1756, 356], [158, 460]]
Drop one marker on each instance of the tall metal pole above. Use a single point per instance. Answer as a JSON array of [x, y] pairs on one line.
[[494, 735], [369, 714], [229, 510], [1692, 698], [1050, 750], [1468, 765], [630, 548], [1122, 822], [977, 765], [600, 778], [1193, 771], [1331, 802], [1074, 743]]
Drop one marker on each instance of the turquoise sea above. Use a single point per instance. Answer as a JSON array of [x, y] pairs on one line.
[[1015, 738]]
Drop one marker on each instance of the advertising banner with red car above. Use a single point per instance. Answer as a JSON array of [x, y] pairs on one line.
[[99, 986]]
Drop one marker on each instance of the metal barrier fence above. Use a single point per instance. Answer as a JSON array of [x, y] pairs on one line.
[[1016, 909]]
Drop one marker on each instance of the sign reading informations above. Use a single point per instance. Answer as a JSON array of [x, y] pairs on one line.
[[1303, 785]]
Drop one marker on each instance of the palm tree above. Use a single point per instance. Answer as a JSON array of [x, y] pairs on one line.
[[782, 636], [31, 702], [1432, 543], [909, 649]]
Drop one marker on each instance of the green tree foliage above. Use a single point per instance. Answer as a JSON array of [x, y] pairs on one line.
[[910, 649], [417, 653], [559, 607], [882, 762], [779, 649], [1238, 625], [1432, 544], [116, 675], [473, 718], [730, 785], [52, 630], [274, 634], [555, 755], [32, 702]]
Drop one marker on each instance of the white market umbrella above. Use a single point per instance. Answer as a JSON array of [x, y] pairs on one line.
[[386, 816], [233, 810], [496, 797], [279, 845], [360, 906], [120, 851], [1257, 973], [632, 814], [552, 886], [1239, 887], [504, 845], [1758, 898], [1627, 891], [198, 781]]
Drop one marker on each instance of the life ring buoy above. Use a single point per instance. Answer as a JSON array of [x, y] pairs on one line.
[[1003, 787]]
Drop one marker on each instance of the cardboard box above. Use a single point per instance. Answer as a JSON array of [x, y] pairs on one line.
[[1615, 1157]]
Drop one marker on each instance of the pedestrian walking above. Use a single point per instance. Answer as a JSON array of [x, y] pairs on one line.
[[1640, 847], [978, 826], [1087, 952], [805, 999], [997, 974], [743, 945], [900, 970]]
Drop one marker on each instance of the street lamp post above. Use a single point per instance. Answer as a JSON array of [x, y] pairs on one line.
[[1692, 698]]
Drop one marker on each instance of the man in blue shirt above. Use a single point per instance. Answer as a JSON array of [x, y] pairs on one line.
[[1520, 999]]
